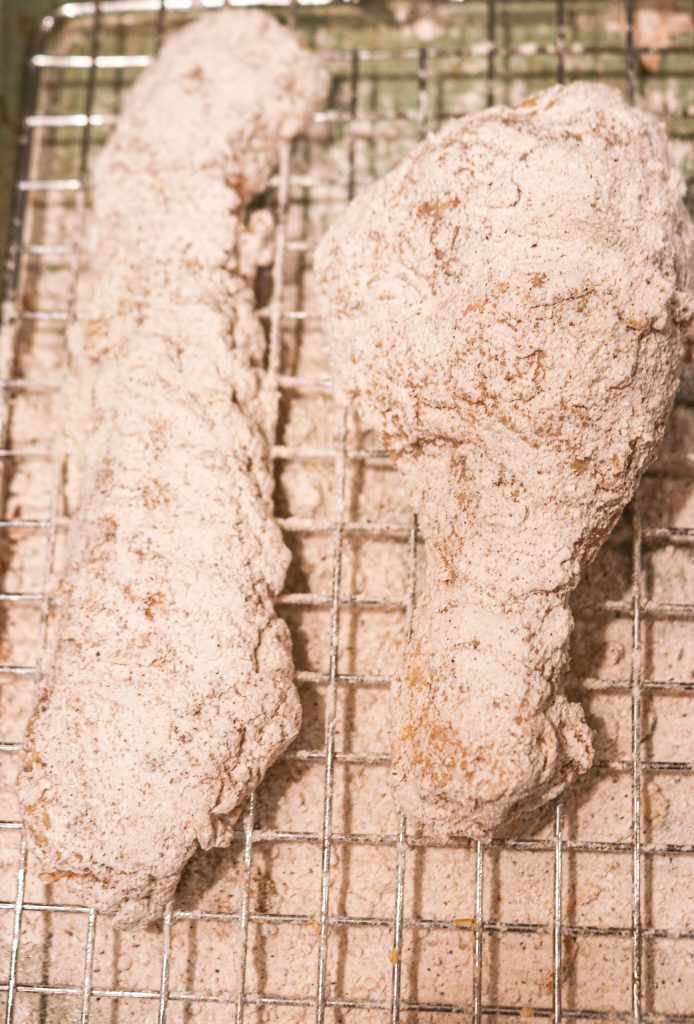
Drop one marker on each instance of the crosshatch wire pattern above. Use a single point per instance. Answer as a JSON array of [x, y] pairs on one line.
[[101, 60]]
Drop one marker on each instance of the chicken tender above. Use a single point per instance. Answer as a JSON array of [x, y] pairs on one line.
[[170, 690]]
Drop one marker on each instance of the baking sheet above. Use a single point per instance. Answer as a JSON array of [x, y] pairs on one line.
[[326, 907]]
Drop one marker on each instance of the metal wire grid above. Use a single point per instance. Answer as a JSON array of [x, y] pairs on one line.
[[91, 15]]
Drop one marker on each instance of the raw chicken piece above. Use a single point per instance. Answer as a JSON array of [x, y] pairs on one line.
[[509, 305], [170, 690]]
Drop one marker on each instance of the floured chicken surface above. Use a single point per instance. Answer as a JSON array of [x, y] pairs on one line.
[[170, 688], [509, 306]]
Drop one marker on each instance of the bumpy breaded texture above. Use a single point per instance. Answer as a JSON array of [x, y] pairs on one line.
[[170, 689], [508, 306]]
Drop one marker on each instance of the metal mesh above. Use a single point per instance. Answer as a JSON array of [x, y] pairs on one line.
[[389, 89]]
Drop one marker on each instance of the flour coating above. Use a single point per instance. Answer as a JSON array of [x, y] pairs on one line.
[[170, 690], [508, 306]]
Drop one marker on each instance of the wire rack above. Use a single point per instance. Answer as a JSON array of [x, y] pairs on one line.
[[390, 88]]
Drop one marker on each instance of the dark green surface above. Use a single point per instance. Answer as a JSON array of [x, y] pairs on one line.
[[18, 19]]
